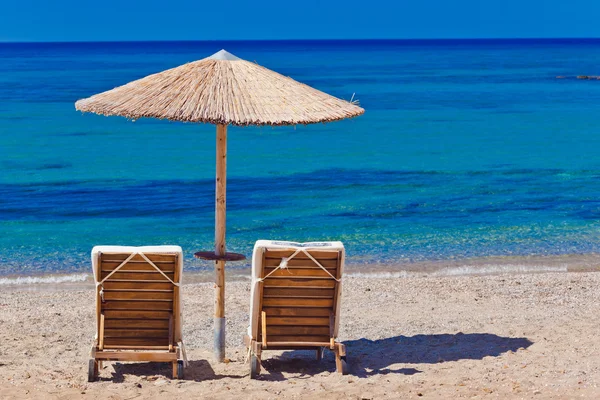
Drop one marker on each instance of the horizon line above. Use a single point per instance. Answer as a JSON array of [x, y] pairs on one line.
[[300, 40]]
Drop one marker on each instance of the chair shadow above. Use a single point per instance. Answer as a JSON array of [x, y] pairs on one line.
[[301, 363], [375, 357], [197, 370]]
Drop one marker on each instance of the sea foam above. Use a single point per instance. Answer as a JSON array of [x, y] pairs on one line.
[[30, 280], [466, 270]]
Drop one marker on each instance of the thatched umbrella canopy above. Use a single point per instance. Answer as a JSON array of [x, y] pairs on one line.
[[221, 89], [224, 90]]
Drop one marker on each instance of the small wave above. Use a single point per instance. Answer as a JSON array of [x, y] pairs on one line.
[[30, 280], [465, 270], [497, 269], [400, 274]]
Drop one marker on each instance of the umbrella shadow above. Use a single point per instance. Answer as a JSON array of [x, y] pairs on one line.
[[197, 370], [376, 357], [379, 357]]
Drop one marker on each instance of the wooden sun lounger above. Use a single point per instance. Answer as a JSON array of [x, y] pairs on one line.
[[138, 307], [295, 302]]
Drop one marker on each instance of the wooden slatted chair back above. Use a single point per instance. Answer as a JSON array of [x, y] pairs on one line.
[[298, 302], [137, 301]]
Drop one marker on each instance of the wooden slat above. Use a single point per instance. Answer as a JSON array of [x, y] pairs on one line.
[[170, 332], [151, 285], [299, 321], [318, 254], [331, 325], [292, 273], [124, 274], [298, 292], [297, 338], [303, 266], [136, 323], [303, 282], [101, 333], [125, 343], [155, 258], [302, 262], [135, 356], [261, 287], [296, 330], [135, 333], [298, 345], [137, 265], [98, 305], [263, 330], [147, 314], [137, 305], [174, 324], [294, 302], [134, 347], [297, 312], [135, 295], [334, 308]]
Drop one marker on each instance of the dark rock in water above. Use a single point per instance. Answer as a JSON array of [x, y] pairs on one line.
[[585, 77]]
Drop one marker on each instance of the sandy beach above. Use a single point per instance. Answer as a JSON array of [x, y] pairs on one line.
[[503, 336]]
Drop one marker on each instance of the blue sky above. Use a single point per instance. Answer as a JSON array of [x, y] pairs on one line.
[[70, 20]]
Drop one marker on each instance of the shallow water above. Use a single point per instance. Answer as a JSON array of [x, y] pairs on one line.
[[468, 149]]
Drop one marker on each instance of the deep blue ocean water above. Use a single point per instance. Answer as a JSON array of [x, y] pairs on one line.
[[467, 149]]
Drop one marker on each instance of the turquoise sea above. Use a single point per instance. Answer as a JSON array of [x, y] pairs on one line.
[[468, 149]]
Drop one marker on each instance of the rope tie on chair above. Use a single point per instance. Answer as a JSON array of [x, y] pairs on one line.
[[248, 355], [101, 283], [184, 354], [285, 260]]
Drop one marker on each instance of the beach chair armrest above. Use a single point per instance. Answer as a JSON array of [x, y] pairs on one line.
[[101, 333], [331, 330], [263, 318], [171, 330]]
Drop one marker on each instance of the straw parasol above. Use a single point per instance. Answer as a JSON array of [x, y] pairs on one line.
[[224, 90]]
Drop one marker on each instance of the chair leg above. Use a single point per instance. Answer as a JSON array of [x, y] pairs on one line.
[[93, 364], [340, 359], [92, 370], [259, 356], [255, 359], [181, 361], [177, 369], [254, 367], [319, 353], [180, 366]]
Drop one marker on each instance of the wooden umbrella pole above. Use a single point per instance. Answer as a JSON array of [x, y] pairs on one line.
[[220, 207]]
